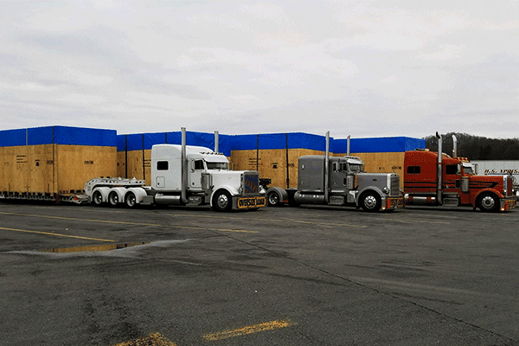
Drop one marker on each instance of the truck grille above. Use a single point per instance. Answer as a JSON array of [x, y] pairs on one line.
[[395, 185], [250, 183]]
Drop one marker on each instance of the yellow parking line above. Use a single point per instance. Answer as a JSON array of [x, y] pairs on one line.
[[262, 327], [55, 234], [128, 223], [235, 230]]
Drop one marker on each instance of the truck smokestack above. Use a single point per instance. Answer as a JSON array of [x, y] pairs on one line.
[[183, 193], [216, 141], [454, 146], [348, 147], [327, 169], [439, 169]]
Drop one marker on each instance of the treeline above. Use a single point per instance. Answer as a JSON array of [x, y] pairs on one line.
[[477, 148]]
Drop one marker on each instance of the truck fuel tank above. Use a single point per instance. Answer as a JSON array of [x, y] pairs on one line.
[[309, 198]]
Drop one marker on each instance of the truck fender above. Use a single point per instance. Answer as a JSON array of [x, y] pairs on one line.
[[276, 196], [230, 189], [139, 193], [100, 195], [497, 193], [369, 188], [485, 206]]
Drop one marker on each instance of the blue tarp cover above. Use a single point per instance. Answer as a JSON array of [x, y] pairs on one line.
[[63, 135], [12, 138], [268, 141], [378, 145], [140, 141], [296, 140]]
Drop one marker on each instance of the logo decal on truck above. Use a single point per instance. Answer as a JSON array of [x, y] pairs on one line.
[[254, 202]]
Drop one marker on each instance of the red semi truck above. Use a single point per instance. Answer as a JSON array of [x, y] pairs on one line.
[[432, 178]]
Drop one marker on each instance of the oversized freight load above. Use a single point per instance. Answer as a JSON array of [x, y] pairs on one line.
[[183, 175], [53, 163]]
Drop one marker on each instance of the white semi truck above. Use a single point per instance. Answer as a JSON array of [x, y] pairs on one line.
[[183, 175]]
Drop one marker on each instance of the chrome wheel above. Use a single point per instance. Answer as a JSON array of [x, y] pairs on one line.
[[222, 201], [370, 202], [273, 199], [131, 200], [488, 202], [113, 198], [97, 198]]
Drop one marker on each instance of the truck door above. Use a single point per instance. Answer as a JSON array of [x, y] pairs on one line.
[[338, 178], [452, 178], [196, 168]]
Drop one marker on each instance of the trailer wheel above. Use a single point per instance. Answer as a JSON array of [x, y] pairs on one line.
[[370, 202], [113, 198], [222, 201], [488, 202], [131, 201], [274, 199], [97, 198]]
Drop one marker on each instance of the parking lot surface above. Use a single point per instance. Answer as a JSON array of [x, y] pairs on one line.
[[81, 275]]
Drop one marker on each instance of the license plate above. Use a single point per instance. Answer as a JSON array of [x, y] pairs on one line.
[[252, 202], [396, 203], [511, 204]]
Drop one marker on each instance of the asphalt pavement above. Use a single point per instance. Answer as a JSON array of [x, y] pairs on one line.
[[84, 275]]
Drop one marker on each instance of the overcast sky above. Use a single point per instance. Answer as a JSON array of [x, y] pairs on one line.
[[359, 68]]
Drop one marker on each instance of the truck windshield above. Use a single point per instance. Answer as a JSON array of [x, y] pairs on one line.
[[468, 169], [356, 168], [218, 165]]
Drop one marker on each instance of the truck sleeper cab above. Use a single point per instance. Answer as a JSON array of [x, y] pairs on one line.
[[346, 184], [185, 175], [455, 184]]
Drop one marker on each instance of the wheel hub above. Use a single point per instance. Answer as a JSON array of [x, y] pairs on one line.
[[222, 201], [370, 202], [488, 202]]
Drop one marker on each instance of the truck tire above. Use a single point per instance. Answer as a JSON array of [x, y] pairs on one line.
[[97, 198], [370, 201], [222, 201], [130, 200], [488, 202], [274, 199], [113, 198]]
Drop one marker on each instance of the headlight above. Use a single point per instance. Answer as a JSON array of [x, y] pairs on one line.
[[386, 190]]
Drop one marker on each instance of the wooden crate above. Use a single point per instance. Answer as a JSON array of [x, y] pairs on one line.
[[48, 165], [135, 164], [272, 163], [54, 169], [384, 163]]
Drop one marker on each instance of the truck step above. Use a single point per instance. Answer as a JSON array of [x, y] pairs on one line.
[[451, 201], [336, 200]]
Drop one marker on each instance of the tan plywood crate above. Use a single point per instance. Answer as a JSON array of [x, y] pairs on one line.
[[272, 163], [54, 169], [135, 164]]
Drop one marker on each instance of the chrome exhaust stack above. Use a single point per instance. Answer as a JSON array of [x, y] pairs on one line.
[[327, 169], [439, 170], [183, 193], [216, 141], [454, 146]]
